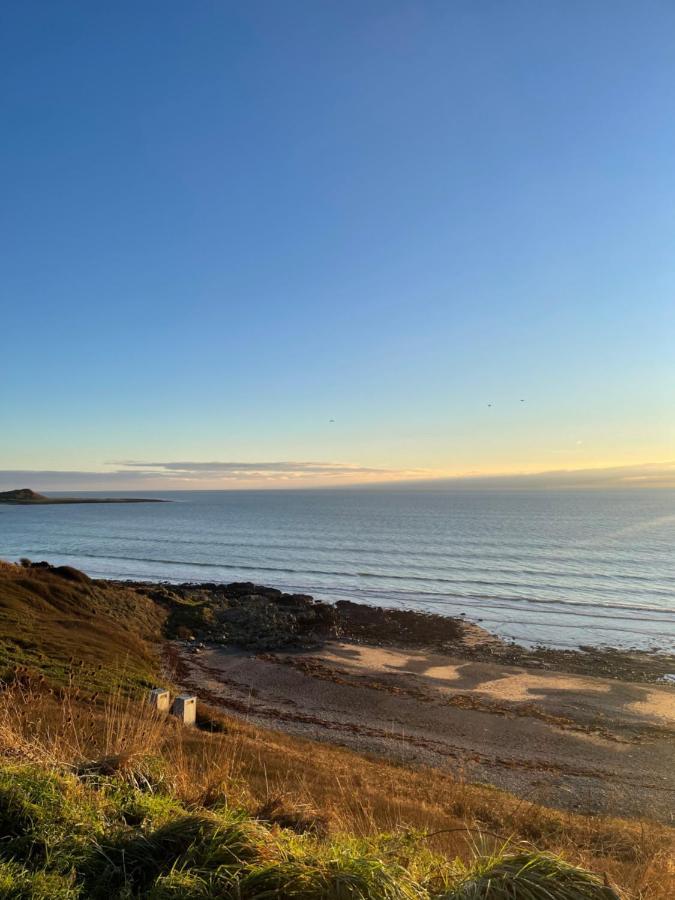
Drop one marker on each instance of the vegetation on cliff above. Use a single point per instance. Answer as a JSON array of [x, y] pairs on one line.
[[58, 623]]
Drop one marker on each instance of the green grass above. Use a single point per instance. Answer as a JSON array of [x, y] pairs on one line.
[[58, 625], [19, 883], [528, 876], [65, 837]]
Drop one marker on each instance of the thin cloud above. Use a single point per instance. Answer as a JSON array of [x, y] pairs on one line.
[[68, 479], [647, 475], [134, 474], [237, 470], [138, 475]]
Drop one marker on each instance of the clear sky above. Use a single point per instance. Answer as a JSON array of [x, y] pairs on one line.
[[225, 224]]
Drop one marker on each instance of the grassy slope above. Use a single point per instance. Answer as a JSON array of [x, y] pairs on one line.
[[59, 624], [342, 799], [108, 839]]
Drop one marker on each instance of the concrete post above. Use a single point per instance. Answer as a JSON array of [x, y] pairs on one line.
[[160, 700], [185, 708]]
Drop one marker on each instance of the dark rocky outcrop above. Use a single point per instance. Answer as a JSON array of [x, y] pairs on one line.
[[401, 626], [27, 497], [262, 618], [22, 495], [245, 614]]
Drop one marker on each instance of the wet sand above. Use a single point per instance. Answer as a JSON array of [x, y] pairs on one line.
[[579, 742]]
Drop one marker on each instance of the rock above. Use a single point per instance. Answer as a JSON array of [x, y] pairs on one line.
[[261, 618]]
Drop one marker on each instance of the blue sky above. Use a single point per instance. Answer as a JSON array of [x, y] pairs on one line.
[[224, 224]]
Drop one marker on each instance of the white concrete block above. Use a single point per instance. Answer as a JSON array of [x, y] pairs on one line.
[[185, 708], [160, 699]]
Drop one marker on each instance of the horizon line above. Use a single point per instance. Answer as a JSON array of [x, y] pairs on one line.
[[172, 477]]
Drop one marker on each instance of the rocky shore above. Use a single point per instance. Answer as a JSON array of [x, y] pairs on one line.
[[258, 618], [263, 618]]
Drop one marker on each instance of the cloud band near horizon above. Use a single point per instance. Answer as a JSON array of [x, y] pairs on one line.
[[182, 475]]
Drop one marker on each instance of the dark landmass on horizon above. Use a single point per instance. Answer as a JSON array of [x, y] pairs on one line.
[[28, 497]]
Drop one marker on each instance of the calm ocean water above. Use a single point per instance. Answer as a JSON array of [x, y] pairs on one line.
[[563, 568]]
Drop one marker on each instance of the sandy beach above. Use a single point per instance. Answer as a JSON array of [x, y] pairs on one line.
[[584, 743]]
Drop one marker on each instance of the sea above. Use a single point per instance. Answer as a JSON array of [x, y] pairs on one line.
[[561, 568]]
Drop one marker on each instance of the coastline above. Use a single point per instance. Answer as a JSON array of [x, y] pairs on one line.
[[590, 731], [381, 737], [539, 581], [261, 618]]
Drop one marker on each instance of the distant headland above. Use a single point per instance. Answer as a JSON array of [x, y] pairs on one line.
[[27, 497]]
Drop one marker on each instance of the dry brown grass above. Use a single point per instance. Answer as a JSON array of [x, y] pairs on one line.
[[63, 730], [287, 779], [365, 795]]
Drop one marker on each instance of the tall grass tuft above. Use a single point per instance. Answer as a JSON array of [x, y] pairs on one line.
[[199, 843], [113, 736], [529, 876], [343, 876]]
